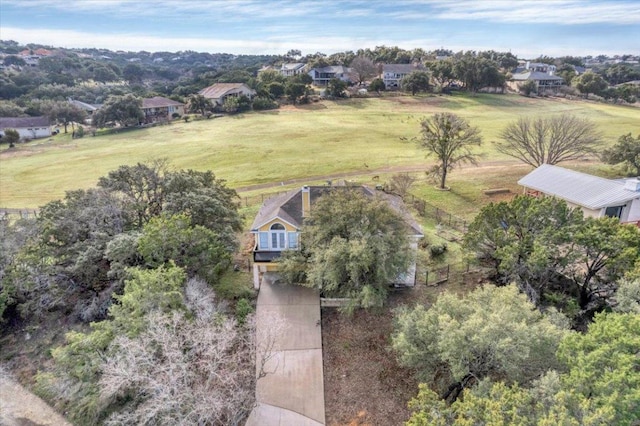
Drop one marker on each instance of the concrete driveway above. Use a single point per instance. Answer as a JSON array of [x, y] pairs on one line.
[[293, 391]]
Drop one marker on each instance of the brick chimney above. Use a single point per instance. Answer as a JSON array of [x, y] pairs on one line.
[[306, 201]]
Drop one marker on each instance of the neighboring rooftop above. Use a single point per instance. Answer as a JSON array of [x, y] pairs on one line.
[[159, 102], [585, 190], [22, 122], [535, 75], [220, 89]]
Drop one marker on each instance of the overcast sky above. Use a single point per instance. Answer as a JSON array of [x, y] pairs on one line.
[[528, 28]]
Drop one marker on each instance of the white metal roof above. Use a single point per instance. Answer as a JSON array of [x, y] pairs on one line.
[[585, 190]]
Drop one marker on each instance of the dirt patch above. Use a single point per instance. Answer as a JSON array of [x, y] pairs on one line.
[[22, 408], [363, 383]]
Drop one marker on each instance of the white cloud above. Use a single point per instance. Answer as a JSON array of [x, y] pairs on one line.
[[561, 12]]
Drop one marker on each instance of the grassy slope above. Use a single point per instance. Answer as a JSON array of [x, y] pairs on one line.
[[246, 149]]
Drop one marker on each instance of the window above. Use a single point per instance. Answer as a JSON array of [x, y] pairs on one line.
[[614, 211], [293, 240], [278, 234], [263, 240]]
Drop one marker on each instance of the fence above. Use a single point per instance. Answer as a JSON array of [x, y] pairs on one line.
[[18, 213], [453, 271], [442, 217]]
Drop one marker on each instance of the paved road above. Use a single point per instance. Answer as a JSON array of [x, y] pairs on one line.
[[293, 392]]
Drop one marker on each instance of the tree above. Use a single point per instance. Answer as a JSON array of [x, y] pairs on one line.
[[567, 72], [195, 248], [401, 183], [442, 72], [449, 138], [545, 403], [353, 246], [590, 82], [416, 81], [628, 296], [549, 140], [199, 104], [295, 90], [477, 72], [493, 332], [11, 136], [528, 87], [625, 151], [276, 90], [124, 110], [605, 251], [267, 77], [65, 113], [524, 241], [336, 88], [603, 365], [133, 73], [140, 186], [377, 84], [362, 69], [181, 371]]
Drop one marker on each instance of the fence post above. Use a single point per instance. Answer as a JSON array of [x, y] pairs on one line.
[[426, 279], [448, 266]]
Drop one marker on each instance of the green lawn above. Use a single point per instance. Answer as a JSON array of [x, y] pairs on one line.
[[311, 140]]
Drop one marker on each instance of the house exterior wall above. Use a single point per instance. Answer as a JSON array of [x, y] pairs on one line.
[[31, 132], [634, 211]]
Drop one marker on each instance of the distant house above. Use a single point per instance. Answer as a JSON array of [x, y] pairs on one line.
[[596, 196], [392, 74], [322, 76], [278, 226], [289, 70], [221, 91], [160, 109], [540, 73], [88, 108], [27, 127]]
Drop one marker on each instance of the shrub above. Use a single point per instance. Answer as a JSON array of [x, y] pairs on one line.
[[261, 103], [438, 250], [243, 309]]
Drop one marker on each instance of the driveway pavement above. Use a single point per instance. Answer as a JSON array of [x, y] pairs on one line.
[[293, 392]]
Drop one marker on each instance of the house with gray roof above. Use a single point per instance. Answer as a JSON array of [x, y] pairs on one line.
[[322, 76], [392, 74], [289, 70], [28, 127], [545, 82], [596, 196], [278, 225], [221, 91]]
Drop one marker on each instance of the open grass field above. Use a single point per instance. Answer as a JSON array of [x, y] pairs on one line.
[[326, 138]]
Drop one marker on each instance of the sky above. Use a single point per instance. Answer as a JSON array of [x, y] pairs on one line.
[[527, 28]]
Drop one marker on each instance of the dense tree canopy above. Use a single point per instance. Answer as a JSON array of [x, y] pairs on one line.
[[549, 140], [494, 332], [122, 110], [627, 152], [449, 138], [353, 245], [544, 246], [416, 81], [590, 82]]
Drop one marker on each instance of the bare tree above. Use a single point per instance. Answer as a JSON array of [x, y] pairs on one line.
[[185, 372], [549, 140], [449, 138], [401, 183], [362, 68]]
